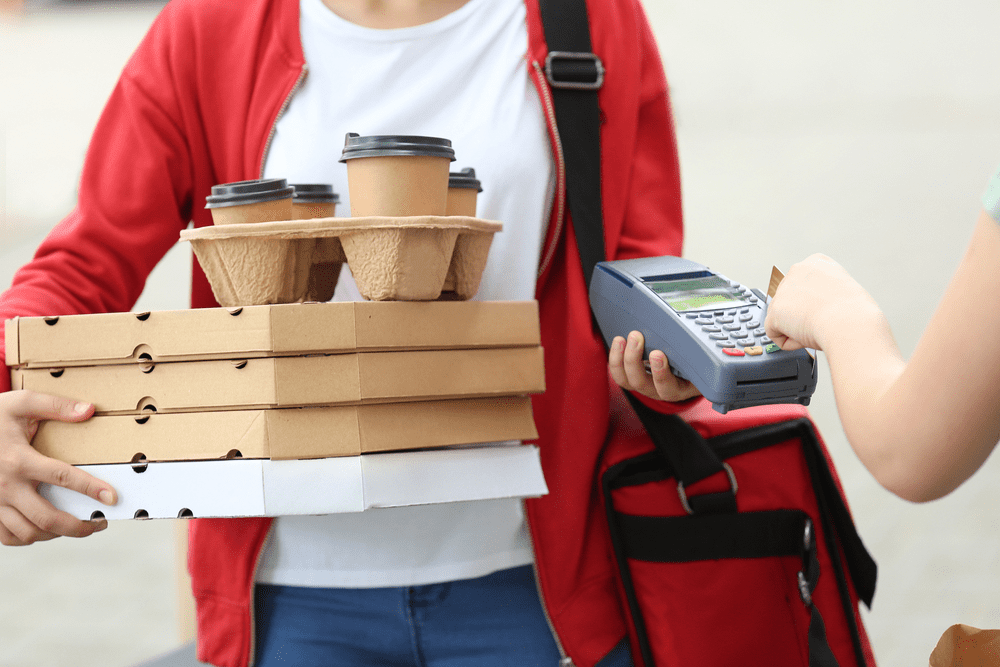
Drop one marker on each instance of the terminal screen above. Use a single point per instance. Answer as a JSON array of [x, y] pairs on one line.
[[711, 293]]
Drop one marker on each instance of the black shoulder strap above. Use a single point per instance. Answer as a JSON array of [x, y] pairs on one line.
[[575, 75]]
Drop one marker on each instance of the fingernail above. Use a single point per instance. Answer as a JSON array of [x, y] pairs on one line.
[[656, 363], [81, 408], [101, 525], [106, 497]]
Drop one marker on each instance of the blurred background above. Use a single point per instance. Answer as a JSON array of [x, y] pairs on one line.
[[864, 130]]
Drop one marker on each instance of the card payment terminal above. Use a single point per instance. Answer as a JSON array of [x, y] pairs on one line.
[[710, 328]]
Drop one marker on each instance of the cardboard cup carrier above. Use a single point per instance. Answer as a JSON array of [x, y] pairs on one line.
[[399, 242]]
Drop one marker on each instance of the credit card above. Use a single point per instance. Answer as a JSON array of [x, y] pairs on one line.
[[776, 278]]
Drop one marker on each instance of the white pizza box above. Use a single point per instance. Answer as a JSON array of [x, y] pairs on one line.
[[261, 487]]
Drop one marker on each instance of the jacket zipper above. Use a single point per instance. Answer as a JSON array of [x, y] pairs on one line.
[[550, 117], [564, 660], [560, 195], [253, 589], [281, 112]]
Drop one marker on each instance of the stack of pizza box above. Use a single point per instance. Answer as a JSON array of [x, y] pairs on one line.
[[295, 408], [282, 402]]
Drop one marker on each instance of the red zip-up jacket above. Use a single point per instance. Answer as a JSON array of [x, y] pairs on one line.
[[196, 106]]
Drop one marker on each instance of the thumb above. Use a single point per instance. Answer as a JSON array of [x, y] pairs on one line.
[[36, 406], [786, 343]]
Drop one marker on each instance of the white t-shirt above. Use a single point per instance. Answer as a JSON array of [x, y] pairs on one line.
[[463, 77]]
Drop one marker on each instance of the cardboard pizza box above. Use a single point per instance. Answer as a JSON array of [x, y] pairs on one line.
[[268, 331], [274, 382], [287, 433]]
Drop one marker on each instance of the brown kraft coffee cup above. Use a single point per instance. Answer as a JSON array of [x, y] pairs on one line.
[[314, 200], [463, 190], [318, 200], [397, 175], [263, 200]]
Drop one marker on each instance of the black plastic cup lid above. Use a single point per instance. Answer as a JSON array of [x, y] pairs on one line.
[[465, 180], [386, 145], [314, 193], [241, 193]]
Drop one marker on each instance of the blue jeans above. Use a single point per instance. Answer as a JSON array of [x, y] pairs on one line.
[[491, 621]]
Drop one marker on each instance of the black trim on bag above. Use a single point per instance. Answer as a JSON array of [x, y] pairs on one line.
[[835, 521], [683, 539]]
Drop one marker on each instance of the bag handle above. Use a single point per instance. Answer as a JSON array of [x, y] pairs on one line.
[[690, 456]]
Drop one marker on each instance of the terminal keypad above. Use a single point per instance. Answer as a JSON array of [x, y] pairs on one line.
[[738, 328]]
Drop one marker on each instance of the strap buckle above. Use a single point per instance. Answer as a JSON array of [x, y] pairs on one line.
[[574, 71], [682, 494]]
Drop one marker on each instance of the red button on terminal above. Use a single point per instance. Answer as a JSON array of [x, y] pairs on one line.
[[733, 351]]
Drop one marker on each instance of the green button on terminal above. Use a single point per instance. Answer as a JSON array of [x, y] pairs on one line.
[[772, 347]]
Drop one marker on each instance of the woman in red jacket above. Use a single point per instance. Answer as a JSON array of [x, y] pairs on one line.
[[221, 91]]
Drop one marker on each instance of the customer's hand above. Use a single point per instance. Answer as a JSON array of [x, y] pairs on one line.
[[628, 370], [816, 299], [26, 517]]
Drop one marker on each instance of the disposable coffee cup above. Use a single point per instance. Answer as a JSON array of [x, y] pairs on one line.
[[314, 200], [463, 190], [397, 175], [318, 200], [242, 202]]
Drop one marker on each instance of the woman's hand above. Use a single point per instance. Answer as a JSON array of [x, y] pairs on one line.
[[816, 299], [26, 517], [628, 370]]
